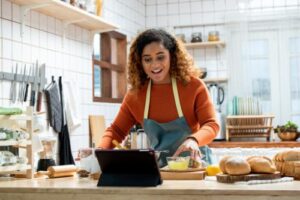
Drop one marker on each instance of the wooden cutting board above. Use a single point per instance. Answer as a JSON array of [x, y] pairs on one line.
[[189, 174], [225, 178]]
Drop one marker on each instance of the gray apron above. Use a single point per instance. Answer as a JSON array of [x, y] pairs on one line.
[[169, 135]]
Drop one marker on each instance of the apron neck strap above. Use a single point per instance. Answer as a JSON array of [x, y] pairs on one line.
[[176, 97]]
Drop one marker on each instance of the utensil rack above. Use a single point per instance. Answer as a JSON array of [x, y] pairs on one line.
[[9, 76], [249, 126]]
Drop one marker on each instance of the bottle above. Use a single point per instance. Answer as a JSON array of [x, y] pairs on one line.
[[99, 7]]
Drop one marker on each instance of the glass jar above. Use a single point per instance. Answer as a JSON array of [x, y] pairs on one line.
[[213, 36], [196, 37], [47, 154], [180, 37]]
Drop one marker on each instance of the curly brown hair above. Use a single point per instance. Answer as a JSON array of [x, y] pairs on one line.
[[181, 64]]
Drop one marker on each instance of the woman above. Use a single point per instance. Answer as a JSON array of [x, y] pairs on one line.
[[167, 98]]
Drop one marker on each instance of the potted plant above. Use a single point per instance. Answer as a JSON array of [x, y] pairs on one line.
[[287, 132]]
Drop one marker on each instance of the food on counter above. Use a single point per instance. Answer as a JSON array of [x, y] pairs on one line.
[[212, 170], [290, 155], [235, 166], [261, 164], [288, 163], [178, 163]]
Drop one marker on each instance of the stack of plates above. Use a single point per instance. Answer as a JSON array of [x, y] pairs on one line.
[[245, 106]]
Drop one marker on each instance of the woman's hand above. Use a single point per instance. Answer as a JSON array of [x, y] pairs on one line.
[[192, 146]]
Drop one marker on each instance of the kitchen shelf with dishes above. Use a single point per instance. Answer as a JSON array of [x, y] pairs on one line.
[[247, 120], [21, 140], [65, 12]]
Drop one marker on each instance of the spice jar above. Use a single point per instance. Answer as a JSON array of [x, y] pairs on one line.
[[196, 37], [213, 36], [180, 37]]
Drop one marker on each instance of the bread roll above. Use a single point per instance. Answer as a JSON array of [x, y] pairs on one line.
[[291, 155], [222, 164], [237, 166], [261, 164]]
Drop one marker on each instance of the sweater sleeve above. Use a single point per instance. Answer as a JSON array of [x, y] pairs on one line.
[[205, 112], [120, 127]]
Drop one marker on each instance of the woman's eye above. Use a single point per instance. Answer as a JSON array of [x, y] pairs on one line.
[[147, 60], [160, 58]]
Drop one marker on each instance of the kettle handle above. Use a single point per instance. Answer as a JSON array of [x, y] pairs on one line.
[[220, 95]]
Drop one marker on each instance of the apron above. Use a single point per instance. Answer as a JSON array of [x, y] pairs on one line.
[[169, 135]]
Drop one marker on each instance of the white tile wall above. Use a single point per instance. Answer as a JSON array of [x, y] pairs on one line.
[[204, 16], [43, 40]]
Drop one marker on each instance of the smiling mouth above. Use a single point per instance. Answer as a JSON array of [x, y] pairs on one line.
[[156, 71]]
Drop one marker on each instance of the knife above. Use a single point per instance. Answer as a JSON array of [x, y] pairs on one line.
[[27, 83], [13, 86], [41, 87], [34, 85], [22, 85]]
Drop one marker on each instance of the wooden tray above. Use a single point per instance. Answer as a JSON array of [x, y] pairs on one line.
[[166, 169], [195, 175], [225, 178]]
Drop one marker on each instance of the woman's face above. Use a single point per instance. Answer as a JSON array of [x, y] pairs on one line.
[[156, 62]]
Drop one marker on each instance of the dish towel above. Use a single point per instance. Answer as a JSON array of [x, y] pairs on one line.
[[72, 105], [255, 182]]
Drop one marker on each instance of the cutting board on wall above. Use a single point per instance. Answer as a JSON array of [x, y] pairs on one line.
[[226, 178]]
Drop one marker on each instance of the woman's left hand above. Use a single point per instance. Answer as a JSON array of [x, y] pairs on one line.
[[192, 146]]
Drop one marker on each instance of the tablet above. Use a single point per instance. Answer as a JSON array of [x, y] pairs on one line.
[[136, 167]]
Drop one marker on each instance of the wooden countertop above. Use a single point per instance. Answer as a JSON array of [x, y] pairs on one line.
[[74, 188], [254, 144]]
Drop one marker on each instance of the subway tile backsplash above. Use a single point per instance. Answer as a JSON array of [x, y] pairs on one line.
[[69, 57]]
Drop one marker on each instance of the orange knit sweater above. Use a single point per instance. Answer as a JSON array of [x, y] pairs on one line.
[[195, 102]]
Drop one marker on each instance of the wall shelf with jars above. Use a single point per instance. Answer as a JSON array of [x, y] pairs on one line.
[[16, 154], [67, 13]]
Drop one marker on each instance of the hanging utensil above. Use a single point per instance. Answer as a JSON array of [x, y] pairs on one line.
[[34, 85], [31, 71], [41, 87], [22, 85], [14, 85]]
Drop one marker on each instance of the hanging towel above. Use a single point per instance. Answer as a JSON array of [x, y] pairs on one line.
[[54, 107], [65, 152], [72, 105]]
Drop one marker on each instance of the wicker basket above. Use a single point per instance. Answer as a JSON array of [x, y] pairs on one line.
[[249, 126]]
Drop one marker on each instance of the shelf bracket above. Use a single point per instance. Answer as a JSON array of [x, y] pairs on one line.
[[93, 32], [65, 27], [24, 11]]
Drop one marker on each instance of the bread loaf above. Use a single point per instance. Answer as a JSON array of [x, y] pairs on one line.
[[288, 163], [222, 164], [261, 164], [237, 166]]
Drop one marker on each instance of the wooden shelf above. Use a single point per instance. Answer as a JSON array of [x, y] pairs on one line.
[[68, 13], [14, 168], [204, 44], [215, 80], [14, 142], [291, 144]]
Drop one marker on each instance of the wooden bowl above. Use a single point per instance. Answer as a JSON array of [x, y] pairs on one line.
[[288, 136]]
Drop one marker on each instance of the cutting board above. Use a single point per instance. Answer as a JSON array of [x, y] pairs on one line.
[[225, 178], [189, 174]]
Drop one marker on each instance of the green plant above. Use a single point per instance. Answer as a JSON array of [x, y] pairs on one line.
[[288, 127]]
